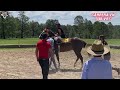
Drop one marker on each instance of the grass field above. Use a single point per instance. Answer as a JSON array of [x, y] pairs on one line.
[[33, 41], [18, 41], [110, 41]]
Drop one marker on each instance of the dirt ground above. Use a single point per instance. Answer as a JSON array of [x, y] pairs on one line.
[[22, 64]]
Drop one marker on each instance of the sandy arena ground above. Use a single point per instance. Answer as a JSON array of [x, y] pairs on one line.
[[22, 64]]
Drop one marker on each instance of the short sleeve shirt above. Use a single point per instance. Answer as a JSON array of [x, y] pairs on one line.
[[43, 47], [51, 41]]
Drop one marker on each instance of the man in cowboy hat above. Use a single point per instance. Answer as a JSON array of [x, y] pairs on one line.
[[97, 67]]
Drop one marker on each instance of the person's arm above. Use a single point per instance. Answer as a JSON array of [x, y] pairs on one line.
[[40, 36], [36, 53], [84, 71], [105, 43], [53, 34]]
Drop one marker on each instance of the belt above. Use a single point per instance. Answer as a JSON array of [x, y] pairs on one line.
[[44, 58]]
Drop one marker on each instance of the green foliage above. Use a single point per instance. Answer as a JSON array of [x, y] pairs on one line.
[[21, 27], [19, 41], [51, 24]]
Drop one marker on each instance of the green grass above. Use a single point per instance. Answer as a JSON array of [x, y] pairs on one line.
[[90, 41], [33, 41], [110, 41], [30, 41], [114, 41], [115, 51], [16, 49]]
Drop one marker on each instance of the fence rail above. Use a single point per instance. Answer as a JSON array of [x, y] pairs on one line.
[[32, 46]]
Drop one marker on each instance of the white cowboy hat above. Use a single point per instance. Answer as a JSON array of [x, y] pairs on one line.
[[98, 48]]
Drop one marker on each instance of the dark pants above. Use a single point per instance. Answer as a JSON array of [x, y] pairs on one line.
[[44, 63]]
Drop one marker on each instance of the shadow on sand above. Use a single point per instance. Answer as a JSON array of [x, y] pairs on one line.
[[64, 70], [52, 71], [70, 70]]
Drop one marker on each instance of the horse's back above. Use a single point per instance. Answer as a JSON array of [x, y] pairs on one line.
[[71, 43], [77, 43]]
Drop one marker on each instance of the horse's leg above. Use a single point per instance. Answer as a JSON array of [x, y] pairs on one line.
[[53, 60], [79, 56], [50, 62], [76, 61], [116, 69]]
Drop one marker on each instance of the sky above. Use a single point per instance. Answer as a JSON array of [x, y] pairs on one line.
[[66, 17]]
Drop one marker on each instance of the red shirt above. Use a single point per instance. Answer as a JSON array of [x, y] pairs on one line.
[[43, 47]]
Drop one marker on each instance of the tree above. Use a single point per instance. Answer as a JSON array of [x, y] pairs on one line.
[[116, 32], [104, 29], [69, 27], [24, 19], [17, 25], [97, 29], [86, 29], [3, 15], [34, 27], [76, 31], [14, 27], [51, 24], [90, 28], [78, 20], [111, 29], [10, 27], [65, 30], [72, 32]]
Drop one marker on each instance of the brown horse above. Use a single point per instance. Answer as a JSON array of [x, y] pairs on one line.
[[74, 44]]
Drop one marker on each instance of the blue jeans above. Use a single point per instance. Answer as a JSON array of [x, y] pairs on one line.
[[44, 63]]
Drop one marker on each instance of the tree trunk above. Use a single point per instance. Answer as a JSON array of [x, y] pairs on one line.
[[3, 28], [22, 30], [33, 33]]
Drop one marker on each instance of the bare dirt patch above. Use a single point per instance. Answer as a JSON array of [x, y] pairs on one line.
[[22, 64]]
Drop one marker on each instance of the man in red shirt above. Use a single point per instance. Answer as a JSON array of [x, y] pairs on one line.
[[43, 50]]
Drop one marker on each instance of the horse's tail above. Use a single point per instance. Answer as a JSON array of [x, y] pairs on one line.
[[84, 44]]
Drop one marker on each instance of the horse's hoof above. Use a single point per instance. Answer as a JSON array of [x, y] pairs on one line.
[[74, 65]]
